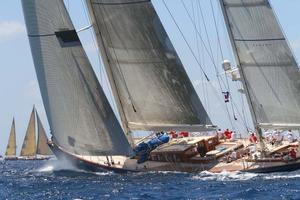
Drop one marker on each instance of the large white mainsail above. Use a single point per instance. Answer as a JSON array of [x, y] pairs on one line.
[[80, 117], [151, 87], [267, 65]]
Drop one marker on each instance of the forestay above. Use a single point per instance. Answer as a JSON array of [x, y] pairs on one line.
[[269, 69], [80, 117], [149, 82]]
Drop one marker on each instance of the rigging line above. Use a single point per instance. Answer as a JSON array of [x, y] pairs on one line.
[[204, 45], [243, 121], [242, 100], [118, 63], [209, 51], [210, 55], [187, 43], [200, 59], [100, 65], [93, 38], [221, 51], [243, 106], [216, 94], [85, 28], [209, 42], [217, 30], [205, 28], [202, 56]]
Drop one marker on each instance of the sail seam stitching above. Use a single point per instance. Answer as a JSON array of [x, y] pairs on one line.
[[42, 35], [137, 2], [257, 40]]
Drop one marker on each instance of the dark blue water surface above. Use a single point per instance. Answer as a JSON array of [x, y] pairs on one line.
[[50, 180]]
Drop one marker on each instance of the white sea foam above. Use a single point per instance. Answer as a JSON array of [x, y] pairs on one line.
[[224, 176], [55, 165], [290, 176]]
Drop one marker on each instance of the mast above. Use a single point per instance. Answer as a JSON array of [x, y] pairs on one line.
[[42, 147], [149, 82], [238, 62], [29, 143], [11, 145], [244, 82], [269, 71]]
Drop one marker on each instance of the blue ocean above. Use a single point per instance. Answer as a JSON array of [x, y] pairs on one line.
[[55, 180]]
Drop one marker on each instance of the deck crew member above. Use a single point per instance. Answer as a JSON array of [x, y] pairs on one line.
[[277, 137], [290, 136], [227, 134], [293, 154], [220, 134], [253, 138]]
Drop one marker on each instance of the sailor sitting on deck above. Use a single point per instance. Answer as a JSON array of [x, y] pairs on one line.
[[220, 134], [231, 157], [173, 134], [292, 155], [183, 134], [233, 136], [276, 137], [253, 138], [227, 134], [268, 136], [289, 136]]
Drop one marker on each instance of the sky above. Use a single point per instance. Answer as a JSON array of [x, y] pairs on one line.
[[19, 89]]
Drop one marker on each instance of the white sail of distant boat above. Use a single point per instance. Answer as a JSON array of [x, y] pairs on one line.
[[11, 146], [29, 143], [80, 117], [266, 63]]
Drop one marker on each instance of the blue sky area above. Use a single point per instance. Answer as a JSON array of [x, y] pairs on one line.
[[19, 88]]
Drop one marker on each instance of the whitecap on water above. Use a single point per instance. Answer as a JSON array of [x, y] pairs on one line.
[[224, 176], [55, 165], [58, 166], [281, 176]]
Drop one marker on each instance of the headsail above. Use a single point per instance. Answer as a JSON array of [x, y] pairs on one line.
[[80, 117], [151, 87], [29, 143], [268, 67], [42, 147], [11, 146]]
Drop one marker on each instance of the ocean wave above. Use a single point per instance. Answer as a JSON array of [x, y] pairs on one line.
[[58, 166], [224, 176], [281, 176]]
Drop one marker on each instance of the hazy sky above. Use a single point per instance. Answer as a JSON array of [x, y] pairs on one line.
[[18, 85]]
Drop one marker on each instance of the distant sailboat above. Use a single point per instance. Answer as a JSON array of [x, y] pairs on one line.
[[43, 150], [149, 83], [33, 149], [28, 150], [10, 153]]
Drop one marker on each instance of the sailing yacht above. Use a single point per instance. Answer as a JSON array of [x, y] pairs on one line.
[[150, 86], [10, 153], [32, 150]]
